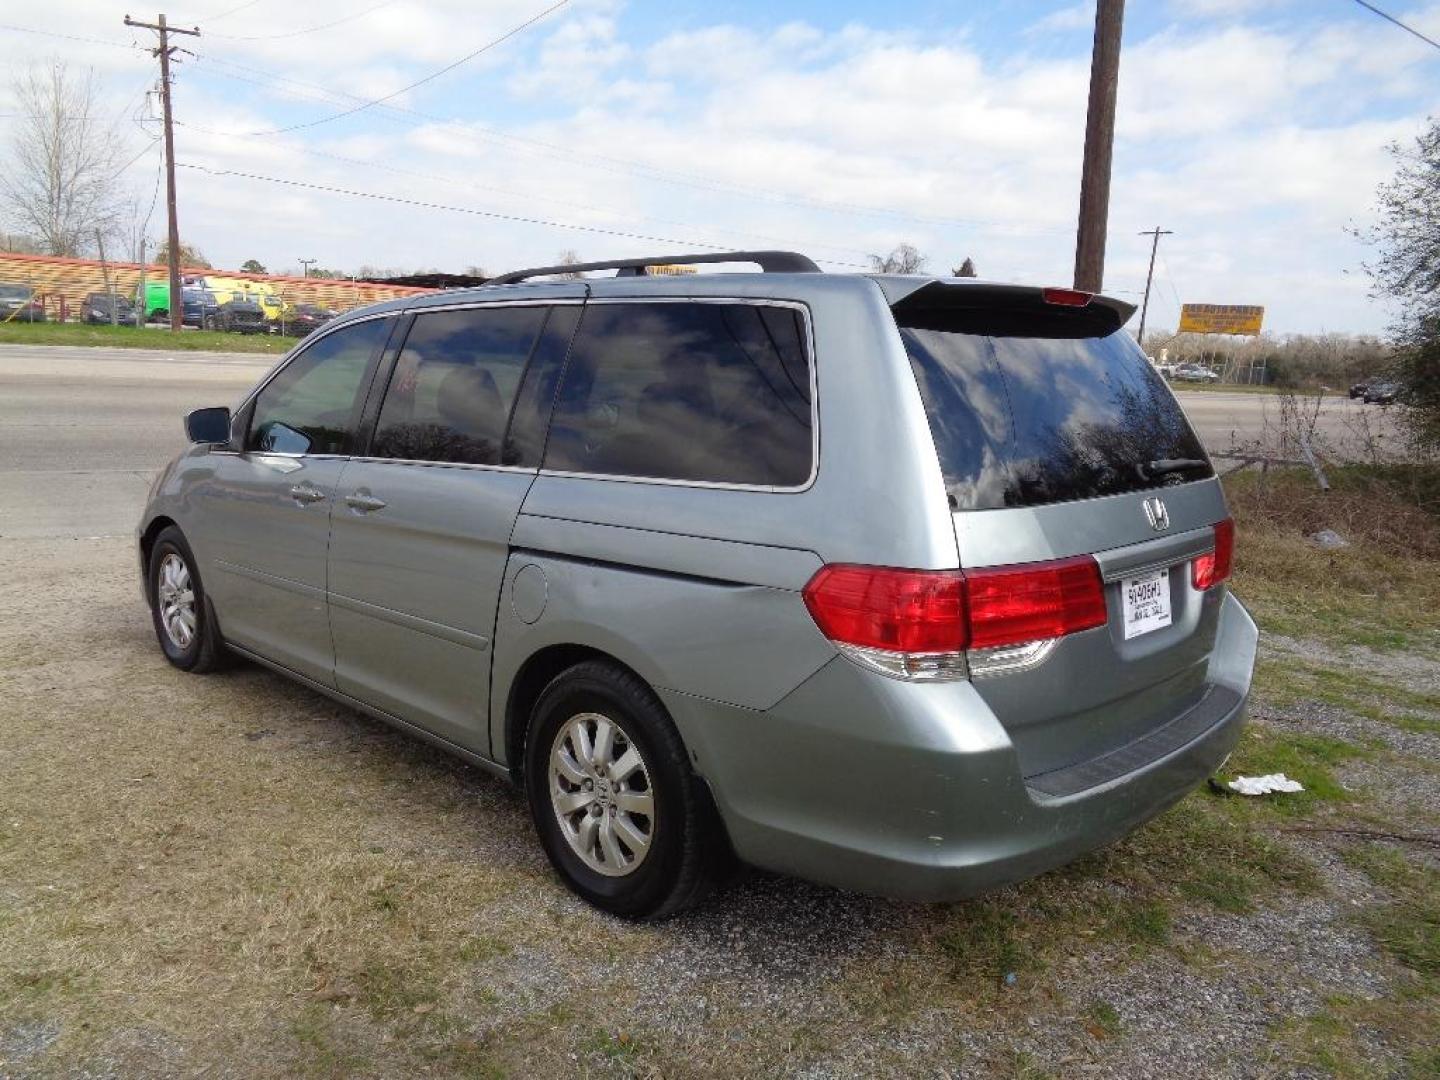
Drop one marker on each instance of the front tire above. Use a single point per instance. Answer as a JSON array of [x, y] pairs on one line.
[[621, 815], [183, 619]]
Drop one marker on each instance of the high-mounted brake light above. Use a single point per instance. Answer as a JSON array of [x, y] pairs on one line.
[[1213, 567], [918, 623], [1066, 297]]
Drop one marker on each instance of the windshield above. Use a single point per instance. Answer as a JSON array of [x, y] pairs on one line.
[[1023, 421], [14, 292]]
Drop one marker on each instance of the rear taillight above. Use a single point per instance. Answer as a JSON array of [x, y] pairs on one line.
[[871, 607], [918, 623], [1213, 567], [1010, 605]]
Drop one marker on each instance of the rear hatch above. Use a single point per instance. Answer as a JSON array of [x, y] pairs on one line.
[[1058, 441]]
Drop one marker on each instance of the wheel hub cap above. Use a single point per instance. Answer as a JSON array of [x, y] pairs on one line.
[[600, 791], [175, 597]]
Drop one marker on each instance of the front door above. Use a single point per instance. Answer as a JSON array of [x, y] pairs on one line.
[[421, 526], [262, 521]]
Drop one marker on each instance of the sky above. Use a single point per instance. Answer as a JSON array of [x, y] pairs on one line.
[[1256, 130]]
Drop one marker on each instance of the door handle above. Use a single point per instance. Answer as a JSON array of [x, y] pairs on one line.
[[364, 503], [305, 494]]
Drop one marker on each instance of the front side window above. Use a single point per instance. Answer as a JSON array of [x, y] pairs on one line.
[[709, 392], [310, 406], [450, 394]]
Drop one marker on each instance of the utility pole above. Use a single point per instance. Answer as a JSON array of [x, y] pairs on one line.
[[177, 305], [305, 265], [1155, 233], [1099, 145]]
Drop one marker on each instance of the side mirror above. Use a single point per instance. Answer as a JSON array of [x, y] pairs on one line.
[[208, 425]]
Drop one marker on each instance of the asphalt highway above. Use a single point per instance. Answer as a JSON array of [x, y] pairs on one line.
[[84, 430]]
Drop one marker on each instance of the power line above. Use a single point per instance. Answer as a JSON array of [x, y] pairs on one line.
[[469, 184], [475, 211], [1403, 26], [607, 163], [69, 37], [308, 29], [421, 82], [230, 11]]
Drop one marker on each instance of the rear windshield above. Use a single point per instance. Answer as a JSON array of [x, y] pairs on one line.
[[1023, 421]]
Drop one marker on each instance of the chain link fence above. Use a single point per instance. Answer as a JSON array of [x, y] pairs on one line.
[[35, 288]]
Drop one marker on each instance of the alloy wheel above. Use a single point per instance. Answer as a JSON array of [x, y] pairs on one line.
[[601, 793]]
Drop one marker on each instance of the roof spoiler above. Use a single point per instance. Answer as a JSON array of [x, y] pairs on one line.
[[770, 262], [1004, 310]]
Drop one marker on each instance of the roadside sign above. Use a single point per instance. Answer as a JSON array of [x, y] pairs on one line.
[[1220, 319]]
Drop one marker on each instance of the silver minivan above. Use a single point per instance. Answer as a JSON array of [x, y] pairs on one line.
[[909, 585]]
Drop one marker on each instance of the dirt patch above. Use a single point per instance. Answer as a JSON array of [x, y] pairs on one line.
[[230, 874]]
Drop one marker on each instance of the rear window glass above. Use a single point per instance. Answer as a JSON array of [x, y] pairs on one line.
[[710, 392], [1022, 421]]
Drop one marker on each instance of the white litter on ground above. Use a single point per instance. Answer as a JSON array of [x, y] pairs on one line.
[[1265, 785]]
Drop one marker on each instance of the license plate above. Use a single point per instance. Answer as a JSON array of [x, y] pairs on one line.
[[1147, 602]]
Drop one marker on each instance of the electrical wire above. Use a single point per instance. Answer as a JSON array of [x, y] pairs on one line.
[[308, 29], [475, 211], [611, 164], [469, 184], [421, 82], [69, 37], [230, 11], [1403, 26]]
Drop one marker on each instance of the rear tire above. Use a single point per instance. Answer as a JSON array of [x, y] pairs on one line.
[[179, 609], [621, 815]]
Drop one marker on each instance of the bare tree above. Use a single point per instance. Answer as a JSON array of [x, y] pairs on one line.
[[190, 256], [904, 259], [569, 258], [60, 184]]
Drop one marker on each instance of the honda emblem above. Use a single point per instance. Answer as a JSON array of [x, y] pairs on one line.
[[1156, 514]]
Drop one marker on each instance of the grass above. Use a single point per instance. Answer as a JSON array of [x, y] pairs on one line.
[[1381, 592], [143, 337], [1293, 680], [1310, 759], [1408, 927]]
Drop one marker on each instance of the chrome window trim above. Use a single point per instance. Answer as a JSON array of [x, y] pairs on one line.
[[715, 485], [422, 463], [301, 347]]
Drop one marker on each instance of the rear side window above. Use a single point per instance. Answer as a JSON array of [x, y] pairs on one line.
[[710, 392], [453, 385], [1023, 421], [310, 406]]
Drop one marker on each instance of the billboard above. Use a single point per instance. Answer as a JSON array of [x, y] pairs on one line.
[[1220, 319]]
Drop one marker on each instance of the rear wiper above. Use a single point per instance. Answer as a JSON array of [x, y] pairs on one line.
[[1150, 469]]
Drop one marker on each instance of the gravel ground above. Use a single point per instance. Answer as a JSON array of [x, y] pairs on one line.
[[234, 876]]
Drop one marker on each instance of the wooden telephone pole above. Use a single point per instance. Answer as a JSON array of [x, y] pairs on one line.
[[1099, 144], [1156, 233], [177, 304]]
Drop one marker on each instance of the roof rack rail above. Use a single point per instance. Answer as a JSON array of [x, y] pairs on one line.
[[770, 262]]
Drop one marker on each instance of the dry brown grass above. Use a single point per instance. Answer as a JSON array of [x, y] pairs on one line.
[[1382, 591]]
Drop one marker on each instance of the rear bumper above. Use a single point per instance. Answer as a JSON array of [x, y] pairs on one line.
[[914, 791]]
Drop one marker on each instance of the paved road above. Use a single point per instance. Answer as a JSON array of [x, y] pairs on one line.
[[83, 430]]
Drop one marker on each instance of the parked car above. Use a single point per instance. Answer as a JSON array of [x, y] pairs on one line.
[[1195, 373], [200, 308], [306, 318], [242, 315], [18, 303], [1357, 390], [908, 585], [106, 308], [1383, 392]]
